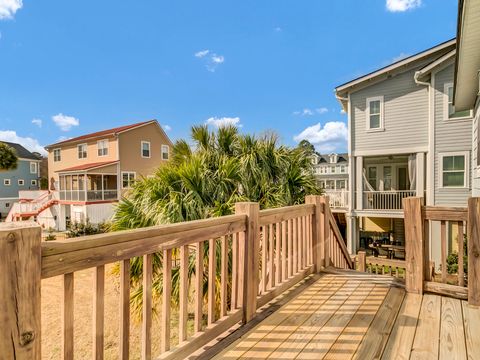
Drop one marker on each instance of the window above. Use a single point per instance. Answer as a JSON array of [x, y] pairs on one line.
[[33, 182], [330, 184], [372, 177], [102, 147], [7, 205], [387, 178], [128, 178], [82, 151], [33, 168], [454, 170], [332, 169], [343, 168], [375, 113], [341, 184], [21, 182], [166, 150], [7, 182], [145, 149], [449, 108], [56, 155], [322, 184]]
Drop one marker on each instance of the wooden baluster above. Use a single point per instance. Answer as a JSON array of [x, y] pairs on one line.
[[426, 250], [271, 277], [278, 266], [263, 280], [414, 245], [443, 239], [183, 311], [67, 317], [223, 277], [290, 247], [212, 273], [98, 311], [295, 246], [302, 242], [147, 308], [198, 287], [234, 271], [461, 280], [166, 299], [124, 309], [284, 251], [306, 261]]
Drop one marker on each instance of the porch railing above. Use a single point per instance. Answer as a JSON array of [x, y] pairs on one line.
[[269, 251], [385, 200], [88, 195], [338, 198], [448, 277]]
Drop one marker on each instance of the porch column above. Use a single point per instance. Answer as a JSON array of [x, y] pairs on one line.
[[359, 182], [420, 174], [351, 184]]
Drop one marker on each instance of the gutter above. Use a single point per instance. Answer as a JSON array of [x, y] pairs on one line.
[[342, 100], [417, 81]]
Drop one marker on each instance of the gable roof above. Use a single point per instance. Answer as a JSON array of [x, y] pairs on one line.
[[326, 158], [103, 133], [22, 153], [399, 66]]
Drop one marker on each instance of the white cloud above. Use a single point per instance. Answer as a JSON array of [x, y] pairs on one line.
[[8, 8], [167, 127], [311, 112], [211, 60], [202, 53], [65, 122], [27, 142], [223, 121], [402, 5], [37, 122], [331, 137]]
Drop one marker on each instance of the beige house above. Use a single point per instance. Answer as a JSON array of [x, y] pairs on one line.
[[88, 174]]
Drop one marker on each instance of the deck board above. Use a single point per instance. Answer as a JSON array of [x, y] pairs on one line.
[[346, 315]]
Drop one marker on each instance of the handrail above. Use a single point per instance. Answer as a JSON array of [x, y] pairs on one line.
[[339, 238], [276, 215]]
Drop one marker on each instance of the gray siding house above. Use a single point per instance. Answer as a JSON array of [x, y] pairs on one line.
[[25, 177], [405, 139]]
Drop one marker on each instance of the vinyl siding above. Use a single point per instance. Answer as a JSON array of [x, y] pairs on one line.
[[21, 172], [450, 136], [405, 115]]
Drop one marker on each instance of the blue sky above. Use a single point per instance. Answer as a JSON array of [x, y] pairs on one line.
[[73, 67]]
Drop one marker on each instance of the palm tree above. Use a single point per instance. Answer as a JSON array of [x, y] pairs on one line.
[[8, 157], [206, 180]]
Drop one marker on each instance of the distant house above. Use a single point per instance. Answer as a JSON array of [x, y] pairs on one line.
[[89, 174], [24, 177]]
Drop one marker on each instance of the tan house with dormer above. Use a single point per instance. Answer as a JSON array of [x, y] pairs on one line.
[[88, 174]]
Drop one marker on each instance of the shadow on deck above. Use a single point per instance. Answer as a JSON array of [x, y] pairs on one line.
[[350, 315]]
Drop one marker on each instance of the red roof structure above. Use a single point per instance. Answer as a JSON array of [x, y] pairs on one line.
[[89, 166]]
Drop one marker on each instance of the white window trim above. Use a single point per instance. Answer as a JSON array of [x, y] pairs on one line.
[[149, 149], [36, 167], [466, 179], [78, 152], [367, 112], [127, 172], [33, 182], [168, 151], [7, 182], [446, 115], [60, 153], [21, 180], [98, 147]]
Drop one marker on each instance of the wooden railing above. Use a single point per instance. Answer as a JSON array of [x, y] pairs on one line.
[[263, 253], [422, 274], [338, 198], [380, 266]]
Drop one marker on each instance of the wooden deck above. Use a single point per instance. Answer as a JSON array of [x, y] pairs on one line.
[[350, 315]]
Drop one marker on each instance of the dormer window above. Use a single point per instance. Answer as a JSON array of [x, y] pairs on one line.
[[333, 158]]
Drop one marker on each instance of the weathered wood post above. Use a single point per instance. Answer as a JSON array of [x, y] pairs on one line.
[[414, 263], [325, 227], [20, 276], [317, 231], [362, 261], [473, 244], [249, 258]]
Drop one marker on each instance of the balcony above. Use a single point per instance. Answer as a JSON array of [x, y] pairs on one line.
[[338, 198], [88, 195], [88, 187], [385, 200]]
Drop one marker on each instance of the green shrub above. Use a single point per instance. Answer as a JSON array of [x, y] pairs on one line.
[[78, 229]]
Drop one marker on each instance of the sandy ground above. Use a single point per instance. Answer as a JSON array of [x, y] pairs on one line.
[[83, 301]]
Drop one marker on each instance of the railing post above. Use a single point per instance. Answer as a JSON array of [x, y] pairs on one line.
[[362, 261], [473, 243], [413, 244], [249, 255], [317, 230], [326, 230], [20, 269]]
